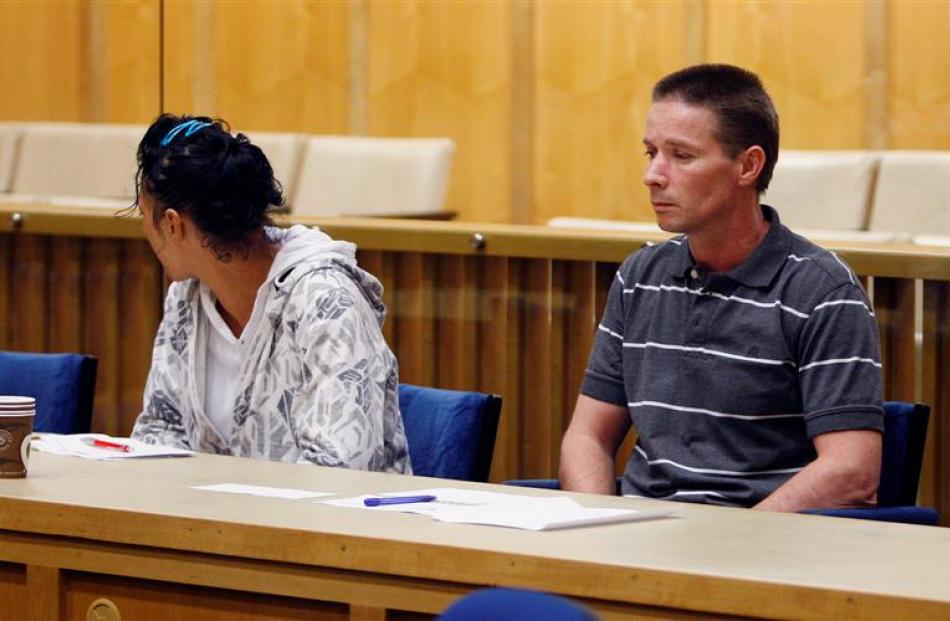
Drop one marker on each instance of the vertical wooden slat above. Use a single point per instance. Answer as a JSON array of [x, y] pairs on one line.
[[65, 295], [582, 319], [102, 331], [935, 474], [495, 336], [557, 367], [415, 321], [141, 287], [44, 593], [894, 306], [456, 324], [30, 316], [535, 358], [6, 292]]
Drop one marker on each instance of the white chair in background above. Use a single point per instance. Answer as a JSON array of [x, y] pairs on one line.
[[359, 176], [283, 151], [823, 191], [9, 139], [76, 164], [913, 193]]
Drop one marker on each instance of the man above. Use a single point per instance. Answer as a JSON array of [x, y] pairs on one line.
[[746, 358]]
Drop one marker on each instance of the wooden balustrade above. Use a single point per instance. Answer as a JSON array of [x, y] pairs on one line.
[[503, 309]]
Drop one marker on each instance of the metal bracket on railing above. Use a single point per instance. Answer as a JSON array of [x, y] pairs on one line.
[[477, 241]]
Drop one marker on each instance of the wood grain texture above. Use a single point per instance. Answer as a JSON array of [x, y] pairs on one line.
[[918, 93], [819, 90], [596, 65], [442, 69], [278, 66], [44, 593], [87, 516]]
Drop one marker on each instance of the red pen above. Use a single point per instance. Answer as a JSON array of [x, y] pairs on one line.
[[125, 448]]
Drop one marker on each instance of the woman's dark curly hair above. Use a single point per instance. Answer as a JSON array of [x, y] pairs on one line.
[[221, 181]]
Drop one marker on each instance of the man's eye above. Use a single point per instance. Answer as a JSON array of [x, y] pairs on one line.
[[650, 154], [680, 155]]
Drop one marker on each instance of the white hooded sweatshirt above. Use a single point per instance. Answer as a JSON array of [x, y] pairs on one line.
[[317, 383]]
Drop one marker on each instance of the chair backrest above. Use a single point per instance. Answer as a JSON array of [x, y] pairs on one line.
[[501, 604], [451, 433], [913, 193], [63, 385], [284, 151], [353, 176], [86, 160], [9, 140], [905, 430], [823, 189]]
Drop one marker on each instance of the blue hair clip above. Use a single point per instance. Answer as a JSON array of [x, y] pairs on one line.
[[189, 127]]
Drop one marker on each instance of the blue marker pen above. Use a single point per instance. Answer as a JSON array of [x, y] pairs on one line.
[[396, 500]]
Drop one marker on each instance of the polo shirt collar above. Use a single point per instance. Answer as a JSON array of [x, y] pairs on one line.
[[760, 267]]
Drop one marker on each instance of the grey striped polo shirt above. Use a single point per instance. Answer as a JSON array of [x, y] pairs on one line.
[[728, 376]]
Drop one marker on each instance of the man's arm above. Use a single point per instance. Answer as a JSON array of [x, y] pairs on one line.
[[845, 474], [590, 444]]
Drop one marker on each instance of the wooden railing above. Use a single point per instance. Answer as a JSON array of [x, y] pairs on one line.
[[503, 309]]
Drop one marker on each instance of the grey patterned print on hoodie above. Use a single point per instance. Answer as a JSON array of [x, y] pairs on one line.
[[318, 384]]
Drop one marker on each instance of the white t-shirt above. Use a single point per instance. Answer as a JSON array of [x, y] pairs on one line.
[[218, 358]]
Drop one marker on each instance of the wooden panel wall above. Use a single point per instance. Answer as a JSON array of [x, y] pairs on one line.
[[918, 91], [811, 57], [276, 66], [545, 99], [80, 61], [92, 295]]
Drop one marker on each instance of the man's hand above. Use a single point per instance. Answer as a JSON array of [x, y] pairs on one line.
[[587, 452], [845, 474]]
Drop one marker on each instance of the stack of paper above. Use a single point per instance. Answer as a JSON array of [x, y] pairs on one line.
[[492, 508], [100, 446]]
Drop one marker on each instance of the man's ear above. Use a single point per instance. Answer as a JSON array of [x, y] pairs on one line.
[[751, 162]]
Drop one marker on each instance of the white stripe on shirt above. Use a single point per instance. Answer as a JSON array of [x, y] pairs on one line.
[[725, 473], [820, 363], [728, 298], [711, 352], [683, 408]]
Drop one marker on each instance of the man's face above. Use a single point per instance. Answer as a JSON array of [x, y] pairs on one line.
[[693, 182]]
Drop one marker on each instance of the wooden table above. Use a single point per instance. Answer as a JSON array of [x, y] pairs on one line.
[[135, 533]]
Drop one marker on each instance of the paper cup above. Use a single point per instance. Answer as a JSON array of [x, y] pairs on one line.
[[16, 426]]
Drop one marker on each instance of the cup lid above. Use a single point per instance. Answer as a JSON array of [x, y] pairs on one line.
[[14, 402]]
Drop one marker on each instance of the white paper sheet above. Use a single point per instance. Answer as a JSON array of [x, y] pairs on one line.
[[83, 445], [498, 509], [259, 490]]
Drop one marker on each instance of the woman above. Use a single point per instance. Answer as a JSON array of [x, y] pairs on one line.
[[270, 346]]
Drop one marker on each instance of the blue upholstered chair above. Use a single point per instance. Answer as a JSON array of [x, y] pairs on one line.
[[905, 430], [451, 433], [62, 384], [515, 605]]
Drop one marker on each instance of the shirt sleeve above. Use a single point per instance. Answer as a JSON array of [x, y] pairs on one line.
[[840, 364], [161, 420], [603, 379], [339, 409]]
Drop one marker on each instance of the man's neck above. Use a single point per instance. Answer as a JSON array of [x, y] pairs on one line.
[[725, 246]]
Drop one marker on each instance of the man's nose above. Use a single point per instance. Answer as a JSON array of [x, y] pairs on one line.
[[655, 175]]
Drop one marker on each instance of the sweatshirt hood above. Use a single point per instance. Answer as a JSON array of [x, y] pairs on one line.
[[303, 250]]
